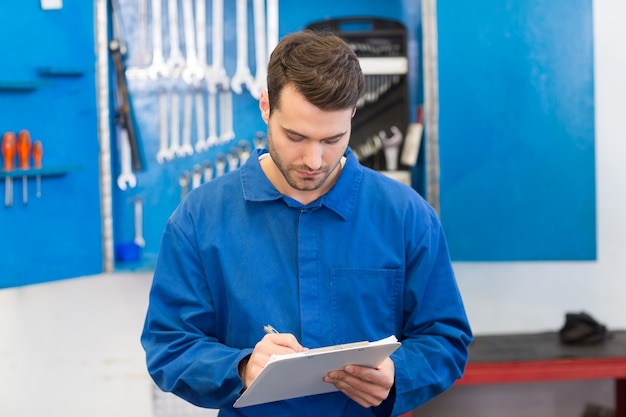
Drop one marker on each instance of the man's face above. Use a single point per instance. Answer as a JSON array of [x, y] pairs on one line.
[[306, 144]]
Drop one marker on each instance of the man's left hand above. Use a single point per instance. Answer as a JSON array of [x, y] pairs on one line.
[[367, 386]]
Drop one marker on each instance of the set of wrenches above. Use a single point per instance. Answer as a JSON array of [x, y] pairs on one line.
[[223, 162], [179, 55], [377, 83], [389, 144]]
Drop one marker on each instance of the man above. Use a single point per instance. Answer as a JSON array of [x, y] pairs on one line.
[[306, 239]]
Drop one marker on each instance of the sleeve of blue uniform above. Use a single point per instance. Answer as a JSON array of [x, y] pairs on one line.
[[436, 332], [182, 355]]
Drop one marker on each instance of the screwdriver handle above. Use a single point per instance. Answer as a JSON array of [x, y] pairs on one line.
[[37, 153], [23, 149], [8, 151]]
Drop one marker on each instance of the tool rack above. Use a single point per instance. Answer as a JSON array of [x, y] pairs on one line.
[[381, 47], [29, 85]]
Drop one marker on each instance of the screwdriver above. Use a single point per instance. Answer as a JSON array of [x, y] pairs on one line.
[[8, 154], [23, 153], [37, 154]]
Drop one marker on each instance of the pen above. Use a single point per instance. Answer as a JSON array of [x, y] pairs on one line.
[[269, 329]]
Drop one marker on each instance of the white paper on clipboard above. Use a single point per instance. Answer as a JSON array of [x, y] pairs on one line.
[[300, 374]]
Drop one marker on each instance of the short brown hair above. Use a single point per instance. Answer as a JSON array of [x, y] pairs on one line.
[[320, 65]]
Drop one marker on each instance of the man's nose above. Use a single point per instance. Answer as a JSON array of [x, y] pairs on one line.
[[312, 156]]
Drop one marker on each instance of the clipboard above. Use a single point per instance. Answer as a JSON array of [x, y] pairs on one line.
[[300, 374]]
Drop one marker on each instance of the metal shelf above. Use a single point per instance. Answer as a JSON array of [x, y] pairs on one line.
[[24, 85], [43, 172], [63, 72], [43, 72]]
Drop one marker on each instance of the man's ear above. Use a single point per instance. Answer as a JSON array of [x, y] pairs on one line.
[[264, 106]]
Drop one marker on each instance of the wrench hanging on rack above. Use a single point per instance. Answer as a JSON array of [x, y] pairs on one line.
[[192, 75], [391, 147], [212, 139], [201, 42], [244, 151], [142, 57], [232, 158], [219, 72], [220, 164], [207, 171], [126, 179], [242, 72], [200, 132], [157, 68], [212, 81], [184, 180], [163, 154], [226, 116], [176, 64], [138, 211], [196, 176], [175, 61], [220, 77], [260, 48], [272, 26], [175, 148], [185, 148], [156, 71], [259, 140]]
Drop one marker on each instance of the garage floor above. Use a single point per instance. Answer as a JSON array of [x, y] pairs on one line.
[[71, 349]]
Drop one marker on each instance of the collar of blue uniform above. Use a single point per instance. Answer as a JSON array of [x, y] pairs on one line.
[[341, 198]]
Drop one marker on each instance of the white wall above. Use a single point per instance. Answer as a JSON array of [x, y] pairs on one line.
[[530, 297]]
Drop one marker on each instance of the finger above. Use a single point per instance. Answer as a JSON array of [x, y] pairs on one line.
[[279, 343], [366, 395], [271, 344], [383, 376], [283, 343], [367, 386]]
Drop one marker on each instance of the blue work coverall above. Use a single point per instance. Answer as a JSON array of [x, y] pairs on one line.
[[365, 261]]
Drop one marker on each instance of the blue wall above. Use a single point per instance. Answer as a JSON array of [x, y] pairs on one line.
[[517, 130], [58, 235]]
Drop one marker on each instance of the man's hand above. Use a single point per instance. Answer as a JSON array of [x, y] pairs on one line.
[[367, 386], [280, 343]]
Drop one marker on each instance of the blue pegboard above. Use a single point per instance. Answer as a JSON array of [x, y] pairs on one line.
[[158, 186], [59, 234]]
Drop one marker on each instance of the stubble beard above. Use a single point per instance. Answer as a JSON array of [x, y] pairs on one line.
[[290, 172]]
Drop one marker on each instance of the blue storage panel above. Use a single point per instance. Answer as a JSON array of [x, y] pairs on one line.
[[47, 86], [158, 187], [517, 130]]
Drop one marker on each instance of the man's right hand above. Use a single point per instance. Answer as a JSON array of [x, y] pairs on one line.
[[279, 343]]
